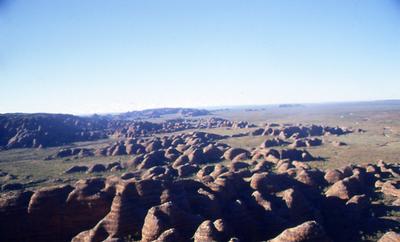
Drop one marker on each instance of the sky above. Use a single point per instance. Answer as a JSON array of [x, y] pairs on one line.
[[74, 56]]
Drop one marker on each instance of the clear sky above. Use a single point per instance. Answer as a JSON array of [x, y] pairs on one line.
[[84, 56]]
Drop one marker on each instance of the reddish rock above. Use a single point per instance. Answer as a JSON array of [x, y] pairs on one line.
[[89, 202], [132, 149], [151, 160], [75, 169], [153, 146], [135, 161], [13, 210], [267, 205], [121, 221], [170, 235], [205, 171], [233, 152], [298, 207], [172, 154], [309, 231], [206, 232], [344, 189], [96, 168], [187, 170], [333, 176], [310, 178], [205, 203], [181, 160], [238, 165], [391, 188], [390, 237], [46, 212], [119, 150], [196, 156], [167, 216], [218, 170], [212, 153]]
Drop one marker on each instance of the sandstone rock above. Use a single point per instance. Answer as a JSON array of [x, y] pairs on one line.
[[131, 149], [150, 161], [313, 142], [371, 169], [309, 231], [257, 132], [167, 216], [267, 205], [128, 175], [390, 237], [262, 166], [135, 161], [272, 142], [12, 186], [238, 165], [88, 203], [205, 203], [299, 208], [241, 219], [311, 178], [205, 171], [187, 170], [206, 232], [225, 231], [218, 170], [391, 188], [153, 146], [212, 153], [121, 221], [96, 168], [172, 154], [176, 194], [116, 168], [267, 183], [101, 152], [333, 176], [119, 150], [196, 156], [357, 205], [75, 169], [64, 153], [181, 160], [338, 143], [294, 154], [347, 170], [344, 189], [154, 172], [283, 166], [298, 143], [170, 235], [109, 166], [233, 152], [13, 210], [46, 211]]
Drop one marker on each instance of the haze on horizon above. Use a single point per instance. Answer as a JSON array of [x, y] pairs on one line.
[[114, 56]]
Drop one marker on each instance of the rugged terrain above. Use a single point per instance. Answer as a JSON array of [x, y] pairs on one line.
[[276, 173]]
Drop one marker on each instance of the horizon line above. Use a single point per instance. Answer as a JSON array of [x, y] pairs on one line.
[[216, 107]]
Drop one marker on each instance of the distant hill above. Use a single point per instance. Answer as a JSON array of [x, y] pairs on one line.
[[42, 130], [159, 112], [290, 105], [20, 130]]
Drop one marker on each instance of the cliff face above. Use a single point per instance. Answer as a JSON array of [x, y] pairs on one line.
[[43, 130]]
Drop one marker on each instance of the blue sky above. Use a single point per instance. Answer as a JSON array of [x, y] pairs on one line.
[[77, 56]]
